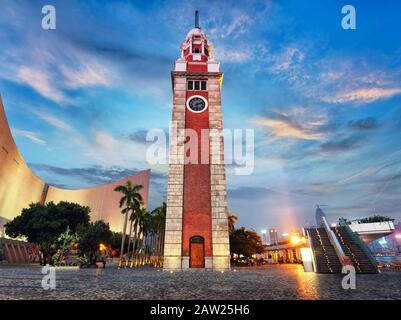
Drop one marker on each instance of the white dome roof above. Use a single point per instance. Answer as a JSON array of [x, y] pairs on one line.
[[196, 32]]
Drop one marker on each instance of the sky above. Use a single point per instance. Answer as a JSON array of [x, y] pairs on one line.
[[325, 103]]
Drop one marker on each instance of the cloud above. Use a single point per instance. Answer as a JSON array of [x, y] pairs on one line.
[[138, 136], [362, 95], [280, 128], [345, 144], [52, 120], [312, 73], [110, 150], [287, 61], [29, 135], [94, 175], [235, 27], [368, 123], [250, 193], [41, 81], [231, 55], [295, 124], [86, 75]]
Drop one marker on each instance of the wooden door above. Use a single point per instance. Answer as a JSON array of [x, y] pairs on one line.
[[197, 253]]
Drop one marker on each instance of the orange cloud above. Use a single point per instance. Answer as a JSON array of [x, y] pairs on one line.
[[286, 129]]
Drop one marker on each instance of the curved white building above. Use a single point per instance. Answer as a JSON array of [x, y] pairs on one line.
[[19, 186]]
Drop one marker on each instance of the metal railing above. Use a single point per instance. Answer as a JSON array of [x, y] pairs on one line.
[[336, 244], [363, 246]]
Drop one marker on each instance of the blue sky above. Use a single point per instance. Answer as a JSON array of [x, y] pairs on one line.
[[325, 102]]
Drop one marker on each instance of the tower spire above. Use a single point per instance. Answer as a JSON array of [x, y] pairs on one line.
[[197, 19]]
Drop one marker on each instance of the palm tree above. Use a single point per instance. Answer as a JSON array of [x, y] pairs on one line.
[[232, 219], [136, 217], [159, 222], [144, 228], [131, 197], [135, 208]]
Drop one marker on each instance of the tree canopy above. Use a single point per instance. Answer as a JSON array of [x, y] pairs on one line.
[[44, 223], [245, 242], [90, 236], [376, 218]]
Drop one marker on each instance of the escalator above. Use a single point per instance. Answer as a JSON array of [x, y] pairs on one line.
[[326, 257], [353, 248]]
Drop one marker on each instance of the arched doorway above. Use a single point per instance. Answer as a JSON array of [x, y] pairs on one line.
[[197, 252]]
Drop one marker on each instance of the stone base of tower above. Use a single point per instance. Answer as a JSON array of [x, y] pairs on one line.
[[216, 263], [172, 263], [221, 263]]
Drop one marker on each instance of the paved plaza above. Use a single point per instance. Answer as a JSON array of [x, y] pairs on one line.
[[268, 282]]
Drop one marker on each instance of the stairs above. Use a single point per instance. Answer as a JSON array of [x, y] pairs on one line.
[[325, 255], [352, 249]]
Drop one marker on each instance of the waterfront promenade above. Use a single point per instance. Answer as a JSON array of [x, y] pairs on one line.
[[267, 282]]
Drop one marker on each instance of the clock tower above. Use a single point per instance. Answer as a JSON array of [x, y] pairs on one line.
[[196, 222]]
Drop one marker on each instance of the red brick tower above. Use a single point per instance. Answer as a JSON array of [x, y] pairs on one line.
[[196, 222]]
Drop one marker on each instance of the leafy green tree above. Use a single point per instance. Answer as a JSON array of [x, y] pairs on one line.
[[245, 242], [115, 241], [91, 236], [64, 243], [375, 218], [232, 219], [42, 224]]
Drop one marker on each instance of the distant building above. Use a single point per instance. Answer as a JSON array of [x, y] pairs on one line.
[[319, 214], [273, 236], [389, 245], [264, 236]]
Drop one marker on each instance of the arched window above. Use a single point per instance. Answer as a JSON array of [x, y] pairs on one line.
[[197, 239]]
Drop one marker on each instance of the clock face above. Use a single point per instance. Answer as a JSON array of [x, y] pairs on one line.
[[197, 104]]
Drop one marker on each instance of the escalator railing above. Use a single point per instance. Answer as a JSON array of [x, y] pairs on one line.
[[363, 246]]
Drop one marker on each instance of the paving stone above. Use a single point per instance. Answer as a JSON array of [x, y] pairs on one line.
[[267, 282]]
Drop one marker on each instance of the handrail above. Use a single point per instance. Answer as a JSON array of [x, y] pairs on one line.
[[362, 245], [311, 249], [336, 244]]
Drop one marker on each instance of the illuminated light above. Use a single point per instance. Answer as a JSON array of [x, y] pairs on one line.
[[171, 271], [306, 254], [295, 239], [263, 231], [284, 235], [398, 236], [102, 247], [334, 225], [382, 241], [222, 271]]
